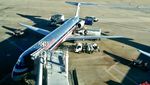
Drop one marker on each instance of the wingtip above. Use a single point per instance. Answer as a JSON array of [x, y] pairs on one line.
[[20, 23], [139, 50]]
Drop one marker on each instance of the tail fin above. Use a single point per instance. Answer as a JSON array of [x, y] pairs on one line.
[[78, 5]]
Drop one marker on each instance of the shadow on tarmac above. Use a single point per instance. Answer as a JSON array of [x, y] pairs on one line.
[[118, 59], [12, 47], [130, 42], [133, 76], [111, 82], [136, 45], [38, 21]]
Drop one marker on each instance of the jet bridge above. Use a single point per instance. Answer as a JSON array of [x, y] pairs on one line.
[[53, 65], [57, 68]]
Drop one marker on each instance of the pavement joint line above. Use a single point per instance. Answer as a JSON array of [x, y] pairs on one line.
[[112, 75], [112, 66], [125, 75]]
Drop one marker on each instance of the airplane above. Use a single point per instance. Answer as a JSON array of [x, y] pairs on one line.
[[52, 39], [143, 52]]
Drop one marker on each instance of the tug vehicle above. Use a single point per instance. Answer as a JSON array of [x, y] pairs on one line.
[[78, 48]]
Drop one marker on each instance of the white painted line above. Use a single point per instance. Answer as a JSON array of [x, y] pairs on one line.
[[118, 80], [125, 76], [112, 66]]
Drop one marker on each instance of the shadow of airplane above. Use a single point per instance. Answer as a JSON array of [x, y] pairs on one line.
[[126, 61], [130, 42], [136, 45], [12, 47], [39, 22], [119, 59], [134, 75], [10, 29], [111, 82]]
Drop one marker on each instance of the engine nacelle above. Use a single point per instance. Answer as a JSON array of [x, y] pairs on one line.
[[81, 24]]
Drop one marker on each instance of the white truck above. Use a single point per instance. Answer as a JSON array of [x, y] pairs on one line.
[[78, 48], [89, 48], [86, 47], [89, 32]]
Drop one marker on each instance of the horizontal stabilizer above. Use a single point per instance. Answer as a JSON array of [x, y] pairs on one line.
[[36, 29], [78, 5], [81, 3]]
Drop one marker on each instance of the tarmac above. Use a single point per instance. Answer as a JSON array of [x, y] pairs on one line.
[[110, 66]]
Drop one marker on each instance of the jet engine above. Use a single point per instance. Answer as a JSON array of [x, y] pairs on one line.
[[81, 24]]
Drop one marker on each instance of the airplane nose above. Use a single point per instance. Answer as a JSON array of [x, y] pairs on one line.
[[19, 72], [16, 77]]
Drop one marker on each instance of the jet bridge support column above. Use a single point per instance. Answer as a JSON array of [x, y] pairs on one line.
[[66, 68], [39, 72], [40, 61]]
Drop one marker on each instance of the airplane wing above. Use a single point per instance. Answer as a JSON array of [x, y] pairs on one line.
[[143, 52], [91, 37], [36, 29]]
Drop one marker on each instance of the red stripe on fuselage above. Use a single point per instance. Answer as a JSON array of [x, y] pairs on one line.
[[63, 38], [49, 44]]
